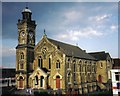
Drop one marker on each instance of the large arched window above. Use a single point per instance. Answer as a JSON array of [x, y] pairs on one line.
[[40, 62], [58, 64], [21, 55]]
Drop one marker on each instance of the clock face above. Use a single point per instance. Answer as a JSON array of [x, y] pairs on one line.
[[23, 34]]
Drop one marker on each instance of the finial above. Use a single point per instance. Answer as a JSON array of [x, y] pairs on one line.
[[44, 33]]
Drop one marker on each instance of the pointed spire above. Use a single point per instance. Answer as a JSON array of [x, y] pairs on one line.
[[44, 33]]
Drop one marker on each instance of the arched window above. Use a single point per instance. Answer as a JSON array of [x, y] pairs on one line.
[[36, 80], [74, 68], [49, 63], [74, 72], [58, 64], [41, 81], [80, 66], [68, 77], [22, 55], [101, 65], [40, 62], [68, 64]]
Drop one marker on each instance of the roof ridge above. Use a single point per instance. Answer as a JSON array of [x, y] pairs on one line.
[[64, 43], [71, 50], [96, 52]]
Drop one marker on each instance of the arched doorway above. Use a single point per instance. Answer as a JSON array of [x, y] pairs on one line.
[[21, 82], [100, 78], [58, 82]]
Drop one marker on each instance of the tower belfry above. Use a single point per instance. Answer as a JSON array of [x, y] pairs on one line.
[[26, 13], [25, 48]]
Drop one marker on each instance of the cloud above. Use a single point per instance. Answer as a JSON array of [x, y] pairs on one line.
[[114, 27], [75, 35], [6, 51], [72, 15], [99, 18]]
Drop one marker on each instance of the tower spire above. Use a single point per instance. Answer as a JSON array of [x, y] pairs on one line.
[[44, 33]]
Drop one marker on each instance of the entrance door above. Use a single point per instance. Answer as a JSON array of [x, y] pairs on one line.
[[100, 78], [57, 81], [21, 82]]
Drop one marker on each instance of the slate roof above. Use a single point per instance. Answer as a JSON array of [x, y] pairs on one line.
[[116, 63], [100, 55], [45, 70], [71, 50]]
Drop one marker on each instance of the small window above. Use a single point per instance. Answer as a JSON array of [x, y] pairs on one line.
[[58, 64], [101, 65], [117, 76], [22, 55], [21, 66]]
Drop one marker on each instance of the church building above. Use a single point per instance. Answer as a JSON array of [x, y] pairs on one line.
[[51, 63]]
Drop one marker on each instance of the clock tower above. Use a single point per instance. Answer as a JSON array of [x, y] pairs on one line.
[[25, 48]]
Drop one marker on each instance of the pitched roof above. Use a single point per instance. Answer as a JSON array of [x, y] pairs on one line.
[[100, 55], [71, 50], [116, 63]]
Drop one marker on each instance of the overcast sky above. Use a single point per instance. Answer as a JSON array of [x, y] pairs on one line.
[[92, 26]]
